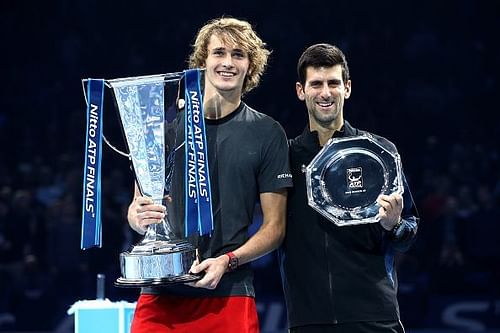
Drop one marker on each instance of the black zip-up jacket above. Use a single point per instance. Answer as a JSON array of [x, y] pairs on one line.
[[337, 274]]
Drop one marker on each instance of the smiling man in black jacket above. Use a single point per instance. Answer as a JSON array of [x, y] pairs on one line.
[[338, 279]]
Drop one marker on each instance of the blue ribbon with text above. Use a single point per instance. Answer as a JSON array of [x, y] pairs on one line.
[[199, 215], [91, 219]]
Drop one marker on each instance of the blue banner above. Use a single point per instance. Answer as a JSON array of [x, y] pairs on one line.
[[91, 217], [199, 215]]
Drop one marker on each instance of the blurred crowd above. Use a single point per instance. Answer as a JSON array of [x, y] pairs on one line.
[[426, 82]]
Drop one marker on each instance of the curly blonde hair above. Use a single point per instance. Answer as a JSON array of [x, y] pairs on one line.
[[233, 31]]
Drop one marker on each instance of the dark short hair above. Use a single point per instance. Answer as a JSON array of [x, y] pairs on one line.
[[321, 55]]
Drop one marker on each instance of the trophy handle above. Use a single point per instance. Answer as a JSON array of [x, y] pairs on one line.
[[84, 81]]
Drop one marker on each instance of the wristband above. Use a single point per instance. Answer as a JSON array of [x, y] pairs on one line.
[[233, 261], [397, 228]]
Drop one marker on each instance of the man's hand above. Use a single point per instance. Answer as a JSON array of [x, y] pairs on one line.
[[390, 210], [143, 212], [266, 239], [214, 268]]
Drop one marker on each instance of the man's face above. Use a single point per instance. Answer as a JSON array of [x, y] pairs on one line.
[[226, 66], [324, 92]]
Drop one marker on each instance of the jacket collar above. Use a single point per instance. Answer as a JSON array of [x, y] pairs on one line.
[[310, 138]]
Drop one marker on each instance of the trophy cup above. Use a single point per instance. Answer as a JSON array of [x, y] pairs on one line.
[[159, 141], [348, 174]]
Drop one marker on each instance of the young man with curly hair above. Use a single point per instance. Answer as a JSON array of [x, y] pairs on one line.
[[248, 161]]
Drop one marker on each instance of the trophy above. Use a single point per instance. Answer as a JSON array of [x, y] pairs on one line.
[[170, 166], [345, 178]]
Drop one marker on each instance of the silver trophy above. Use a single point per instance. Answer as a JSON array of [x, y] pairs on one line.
[[346, 177], [149, 115]]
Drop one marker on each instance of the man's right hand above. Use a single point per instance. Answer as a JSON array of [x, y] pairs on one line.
[[143, 212]]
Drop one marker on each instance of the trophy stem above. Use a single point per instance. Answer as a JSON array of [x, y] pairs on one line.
[[158, 232], [155, 233]]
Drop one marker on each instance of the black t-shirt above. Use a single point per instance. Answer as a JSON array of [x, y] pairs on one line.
[[247, 155]]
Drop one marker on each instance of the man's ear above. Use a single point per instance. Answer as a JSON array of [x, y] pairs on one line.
[[347, 87], [300, 91]]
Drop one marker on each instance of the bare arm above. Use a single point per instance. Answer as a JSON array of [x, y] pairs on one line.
[[267, 238], [271, 233]]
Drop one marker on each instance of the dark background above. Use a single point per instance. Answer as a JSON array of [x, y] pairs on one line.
[[424, 75]]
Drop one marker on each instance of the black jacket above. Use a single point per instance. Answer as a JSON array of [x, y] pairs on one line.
[[337, 274]]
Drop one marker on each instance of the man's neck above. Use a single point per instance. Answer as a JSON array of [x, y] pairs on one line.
[[218, 105], [326, 131]]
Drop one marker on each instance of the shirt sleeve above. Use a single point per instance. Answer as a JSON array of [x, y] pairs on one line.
[[405, 235], [274, 173]]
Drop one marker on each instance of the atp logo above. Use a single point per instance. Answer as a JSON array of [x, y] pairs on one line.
[[354, 178]]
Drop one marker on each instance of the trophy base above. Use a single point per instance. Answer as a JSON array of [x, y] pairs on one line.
[[157, 263], [131, 283]]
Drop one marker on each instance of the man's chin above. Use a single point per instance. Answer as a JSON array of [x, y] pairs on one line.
[[324, 118], [228, 88], [325, 121]]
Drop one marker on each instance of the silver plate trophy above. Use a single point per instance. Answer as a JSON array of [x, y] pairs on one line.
[[346, 177], [149, 115]]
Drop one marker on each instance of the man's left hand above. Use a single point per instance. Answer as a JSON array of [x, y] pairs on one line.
[[213, 268], [390, 210]]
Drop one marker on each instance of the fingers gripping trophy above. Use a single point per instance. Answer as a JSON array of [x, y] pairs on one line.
[[167, 151]]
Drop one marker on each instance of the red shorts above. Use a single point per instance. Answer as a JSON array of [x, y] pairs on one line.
[[155, 313]]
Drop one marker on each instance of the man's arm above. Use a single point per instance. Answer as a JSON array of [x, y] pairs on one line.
[[267, 238], [271, 233], [399, 217]]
